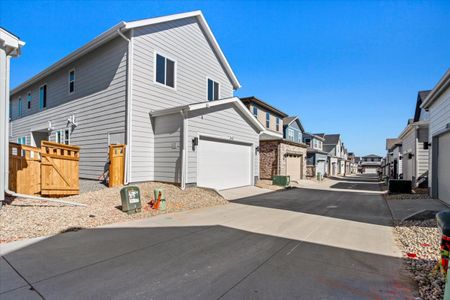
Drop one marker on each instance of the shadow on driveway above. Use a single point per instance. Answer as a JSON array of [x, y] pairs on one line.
[[205, 262], [360, 207]]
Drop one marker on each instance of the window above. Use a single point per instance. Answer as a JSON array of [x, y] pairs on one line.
[[278, 124], [29, 100], [63, 136], [20, 107], [165, 71], [267, 120], [213, 90], [291, 134], [71, 81], [43, 97], [22, 140], [308, 142], [255, 111]]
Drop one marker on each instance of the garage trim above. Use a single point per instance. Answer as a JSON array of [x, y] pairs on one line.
[[435, 162], [232, 140]]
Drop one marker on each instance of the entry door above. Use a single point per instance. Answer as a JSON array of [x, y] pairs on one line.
[[443, 168], [223, 164], [294, 166]]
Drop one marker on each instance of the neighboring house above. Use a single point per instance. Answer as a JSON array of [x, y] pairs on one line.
[[270, 117], [392, 165], [370, 164], [279, 154], [163, 87], [437, 104], [315, 155], [333, 146], [10, 46], [353, 164]]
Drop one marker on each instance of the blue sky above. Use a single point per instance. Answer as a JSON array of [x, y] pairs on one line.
[[349, 67]]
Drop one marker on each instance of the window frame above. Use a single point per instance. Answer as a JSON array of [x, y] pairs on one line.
[[255, 111], [69, 81], [19, 107], [20, 139], [207, 89], [277, 124], [175, 70], [60, 136], [41, 101], [29, 98], [267, 119], [291, 135]]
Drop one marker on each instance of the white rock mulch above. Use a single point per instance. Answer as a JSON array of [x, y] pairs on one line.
[[420, 242], [27, 218]]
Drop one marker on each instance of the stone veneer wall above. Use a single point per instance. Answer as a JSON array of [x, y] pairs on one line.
[[273, 160]]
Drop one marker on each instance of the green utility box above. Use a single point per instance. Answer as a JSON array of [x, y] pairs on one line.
[[162, 205], [131, 199], [319, 176], [281, 180]]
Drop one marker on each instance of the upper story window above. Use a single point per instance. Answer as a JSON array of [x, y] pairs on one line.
[[291, 134], [308, 142], [277, 127], [20, 107], [29, 100], [165, 71], [43, 97], [255, 111], [71, 81], [22, 140], [63, 136], [267, 120], [213, 90]]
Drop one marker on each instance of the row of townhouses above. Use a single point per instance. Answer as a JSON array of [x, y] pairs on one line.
[[421, 152], [163, 87]]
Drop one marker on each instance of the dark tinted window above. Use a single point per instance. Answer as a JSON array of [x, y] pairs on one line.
[[216, 91], [160, 68], [170, 73], [213, 90]]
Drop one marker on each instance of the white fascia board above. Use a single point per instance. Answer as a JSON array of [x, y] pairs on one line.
[[196, 106], [9, 40], [99, 40], [440, 88], [202, 21]]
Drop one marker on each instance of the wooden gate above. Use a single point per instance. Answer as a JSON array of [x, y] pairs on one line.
[[24, 169], [116, 165], [59, 169]]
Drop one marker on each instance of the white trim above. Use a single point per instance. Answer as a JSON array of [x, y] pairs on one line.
[[439, 89], [175, 62], [68, 81], [191, 107]]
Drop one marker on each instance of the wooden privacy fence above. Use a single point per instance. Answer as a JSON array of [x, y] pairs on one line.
[[116, 164], [24, 169], [51, 170], [59, 169]]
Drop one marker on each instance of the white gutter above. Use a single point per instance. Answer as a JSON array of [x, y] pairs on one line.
[[129, 103]]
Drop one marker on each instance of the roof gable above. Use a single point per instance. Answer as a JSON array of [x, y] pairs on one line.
[[121, 27], [332, 139], [290, 121], [263, 104]]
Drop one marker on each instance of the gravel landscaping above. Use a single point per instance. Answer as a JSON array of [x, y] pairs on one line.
[[420, 242], [406, 196], [23, 218]]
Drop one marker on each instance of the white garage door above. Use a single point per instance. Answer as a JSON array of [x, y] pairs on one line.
[[223, 165], [444, 168], [320, 167]]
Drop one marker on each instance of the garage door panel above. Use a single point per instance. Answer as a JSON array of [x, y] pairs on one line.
[[223, 165], [444, 168]]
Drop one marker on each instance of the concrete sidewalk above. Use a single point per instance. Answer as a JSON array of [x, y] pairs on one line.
[[243, 192]]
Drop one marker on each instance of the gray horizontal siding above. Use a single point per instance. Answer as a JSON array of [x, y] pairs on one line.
[[99, 104], [184, 42], [221, 122]]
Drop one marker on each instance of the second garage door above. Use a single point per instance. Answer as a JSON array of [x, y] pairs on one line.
[[223, 164], [443, 166], [294, 166]]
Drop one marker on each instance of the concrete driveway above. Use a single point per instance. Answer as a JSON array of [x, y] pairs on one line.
[[293, 244]]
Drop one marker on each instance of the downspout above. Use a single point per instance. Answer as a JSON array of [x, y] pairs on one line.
[[6, 150], [128, 103], [184, 115]]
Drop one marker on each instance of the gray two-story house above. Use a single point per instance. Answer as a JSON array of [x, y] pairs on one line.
[[316, 157], [163, 87]]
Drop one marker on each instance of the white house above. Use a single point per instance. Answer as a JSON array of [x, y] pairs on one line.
[[437, 103], [163, 87], [10, 46]]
